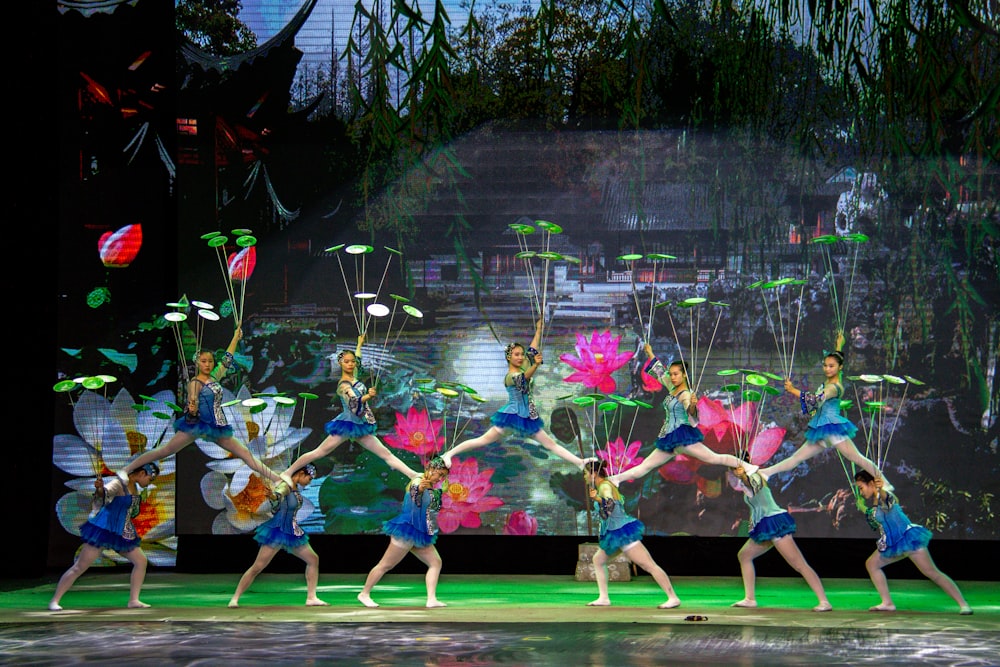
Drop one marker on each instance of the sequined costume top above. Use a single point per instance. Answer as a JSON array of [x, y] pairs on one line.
[[675, 405], [111, 527], [356, 418], [768, 521], [827, 421], [210, 423], [617, 527], [678, 428], [283, 530], [897, 534], [519, 414], [417, 522]]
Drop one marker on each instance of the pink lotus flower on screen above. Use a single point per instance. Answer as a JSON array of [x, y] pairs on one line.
[[118, 249], [416, 432], [521, 523], [465, 496], [619, 457], [596, 360], [242, 263], [725, 431]]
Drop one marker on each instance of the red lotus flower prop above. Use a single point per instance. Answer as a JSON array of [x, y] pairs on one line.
[[521, 523], [726, 432], [242, 264], [619, 457], [596, 360], [466, 496], [118, 249], [417, 433]]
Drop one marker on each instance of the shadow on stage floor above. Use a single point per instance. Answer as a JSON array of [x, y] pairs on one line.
[[492, 620]]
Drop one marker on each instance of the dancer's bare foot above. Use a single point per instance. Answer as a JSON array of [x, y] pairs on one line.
[[54, 606], [823, 606], [965, 610], [432, 604], [883, 607], [670, 604], [745, 603], [137, 604], [600, 602], [366, 600], [316, 602], [234, 604]]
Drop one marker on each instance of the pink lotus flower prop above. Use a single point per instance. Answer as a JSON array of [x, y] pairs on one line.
[[416, 432], [118, 249], [521, 523], [620, 457], [650, 383], [465, 497], [242, 264], [596, 360], [724, 430]]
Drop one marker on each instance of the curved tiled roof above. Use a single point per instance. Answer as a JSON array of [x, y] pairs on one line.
[[193, 55]]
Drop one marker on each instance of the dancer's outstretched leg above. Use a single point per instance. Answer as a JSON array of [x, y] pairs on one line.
[[546, 441], [492, 435]]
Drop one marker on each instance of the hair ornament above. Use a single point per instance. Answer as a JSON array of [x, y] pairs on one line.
[[151, 469], [437, 463]]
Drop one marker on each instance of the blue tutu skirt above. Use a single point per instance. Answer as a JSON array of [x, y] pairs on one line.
[[773, 527], [273, 536], [685, 434], [401, 529], [613, 540], [916, 537], [348, 429], [203, 430], [105, 539], [523, 426], [839, 430]]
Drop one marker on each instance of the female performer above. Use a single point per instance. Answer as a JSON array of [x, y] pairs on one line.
[[356, 420], [112, 528], [282, 531], [771, 526], [678, 434], [519, 414], [414, 531], [620, 532], [899, 538], [827, 428], [204, 419]]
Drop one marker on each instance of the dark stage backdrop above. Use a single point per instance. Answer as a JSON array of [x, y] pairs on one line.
[[177, 218]]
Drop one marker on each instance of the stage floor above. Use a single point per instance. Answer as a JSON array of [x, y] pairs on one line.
[[492, 620]]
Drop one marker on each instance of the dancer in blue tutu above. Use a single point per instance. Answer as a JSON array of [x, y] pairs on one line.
[[204, 419], [356, 420], [620, 532], [282, 531], [899, 538], [116, 504], [770, 526], [519, 414], [414, 530], [827, 427], [679, 434]]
